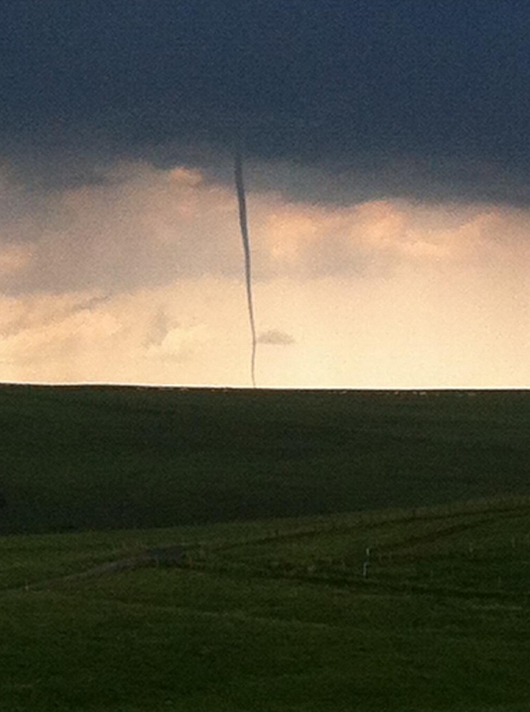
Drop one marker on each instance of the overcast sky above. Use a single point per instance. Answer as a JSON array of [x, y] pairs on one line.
[[387, 162]]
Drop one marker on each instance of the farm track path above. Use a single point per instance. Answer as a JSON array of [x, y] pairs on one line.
[[152, 557]]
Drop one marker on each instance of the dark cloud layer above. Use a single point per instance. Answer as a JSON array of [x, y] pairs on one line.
[[415, 98]]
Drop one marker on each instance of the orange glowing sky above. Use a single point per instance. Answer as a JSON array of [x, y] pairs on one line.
[[141, 281]]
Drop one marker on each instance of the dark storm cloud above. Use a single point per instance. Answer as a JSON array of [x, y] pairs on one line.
[[416, 98]]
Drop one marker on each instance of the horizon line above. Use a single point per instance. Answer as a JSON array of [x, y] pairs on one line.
[[202, 386]]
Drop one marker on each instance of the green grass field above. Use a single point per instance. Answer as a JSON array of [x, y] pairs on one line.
[[94, 458], [274, 616], [341, 552]]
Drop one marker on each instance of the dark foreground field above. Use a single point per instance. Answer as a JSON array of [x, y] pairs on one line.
[[92, 458], [268, 552], [273, 617]]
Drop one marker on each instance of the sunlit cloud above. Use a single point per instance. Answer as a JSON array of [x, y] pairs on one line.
[[139, 279], [14, 259]]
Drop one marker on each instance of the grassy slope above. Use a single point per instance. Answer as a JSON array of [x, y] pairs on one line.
[[276, 616], [90, 458]]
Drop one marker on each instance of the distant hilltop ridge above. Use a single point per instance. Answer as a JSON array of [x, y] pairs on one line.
[[463, 391]]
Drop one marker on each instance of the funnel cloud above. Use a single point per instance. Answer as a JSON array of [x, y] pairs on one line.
[[243, 222]]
